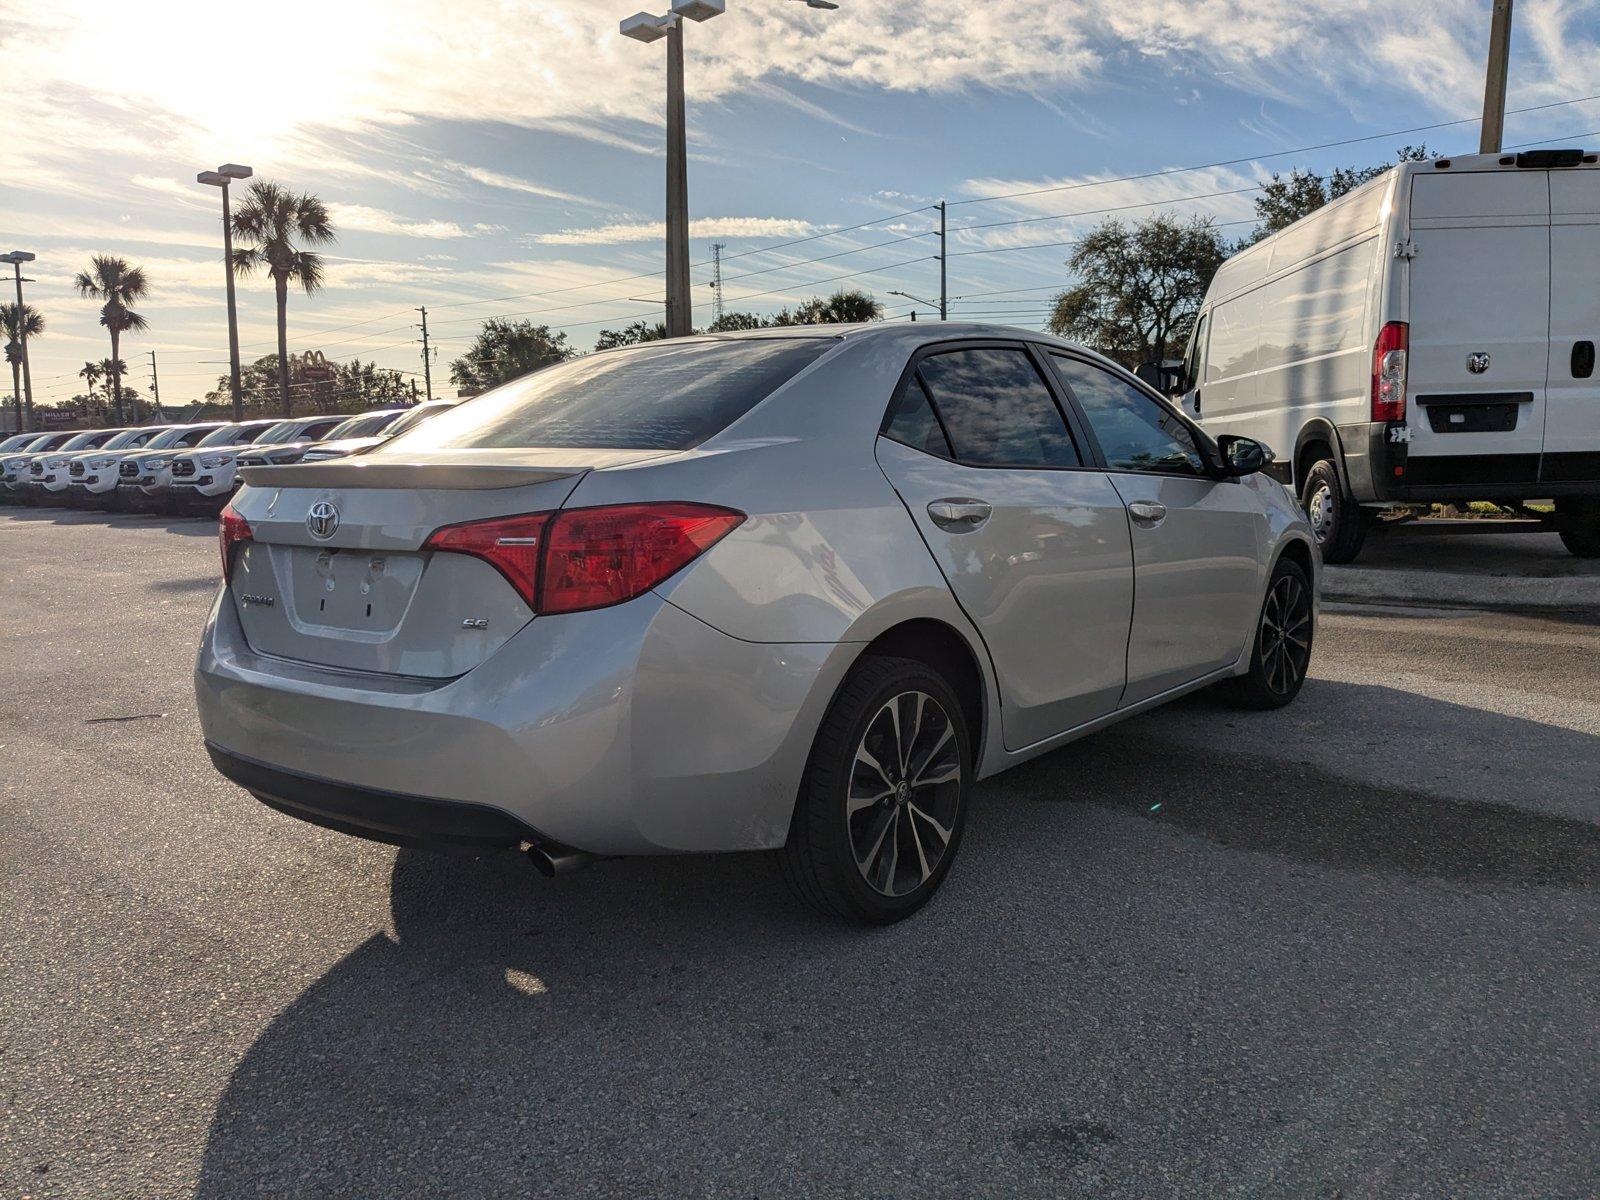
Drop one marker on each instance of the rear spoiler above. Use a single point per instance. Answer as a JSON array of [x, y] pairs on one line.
[[403, 476]]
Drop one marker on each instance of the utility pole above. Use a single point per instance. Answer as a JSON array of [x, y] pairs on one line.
[[944, 300], [427, 367], [1492, 131], [155, 387], [24, 415], [716, 277], [680, 308]]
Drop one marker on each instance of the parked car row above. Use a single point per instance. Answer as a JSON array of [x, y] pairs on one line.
[[185, 468]]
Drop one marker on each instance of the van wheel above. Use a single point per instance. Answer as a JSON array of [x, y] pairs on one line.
[[1578, 523], [1337, 522], [1282, 651], [884, 797]]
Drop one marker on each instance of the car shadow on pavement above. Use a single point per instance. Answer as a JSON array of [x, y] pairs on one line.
[[680, 1026]]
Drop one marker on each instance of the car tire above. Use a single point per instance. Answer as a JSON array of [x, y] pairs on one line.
[[872, 840], [1337, 522], [1281, 649], [1578, 524]]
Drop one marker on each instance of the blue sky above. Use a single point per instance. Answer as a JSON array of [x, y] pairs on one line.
[[505, 157]]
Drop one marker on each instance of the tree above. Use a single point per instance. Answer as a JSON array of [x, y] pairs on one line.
[[1139, 287], [503, 350], [267, 227], [847, 306], [91, 375], [631, 335], [1287, 198], [18, 324], [120, 286], [736, 321]]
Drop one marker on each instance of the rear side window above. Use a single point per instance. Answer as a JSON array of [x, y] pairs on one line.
[[911, 421], [662, 396], [996, 409]]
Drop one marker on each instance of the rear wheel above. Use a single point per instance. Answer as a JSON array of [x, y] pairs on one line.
[[1282, 652], [883, 801], [1337, 522], [1578, 523]]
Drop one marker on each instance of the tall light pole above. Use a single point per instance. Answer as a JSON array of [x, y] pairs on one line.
[[1491, 131], [16, 258], [221, 178]]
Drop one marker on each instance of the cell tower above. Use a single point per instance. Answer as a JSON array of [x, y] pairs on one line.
[[716, 277]]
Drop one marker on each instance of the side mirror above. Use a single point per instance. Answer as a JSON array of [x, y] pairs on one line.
[[1168, 378], [1243, 456]]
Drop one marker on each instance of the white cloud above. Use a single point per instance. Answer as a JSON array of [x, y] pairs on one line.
[[703, 227], [376, 220]]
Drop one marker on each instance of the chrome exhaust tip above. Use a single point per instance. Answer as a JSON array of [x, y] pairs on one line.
[[551, 861]]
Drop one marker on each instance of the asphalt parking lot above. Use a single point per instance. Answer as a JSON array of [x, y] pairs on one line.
[[1344, 950]]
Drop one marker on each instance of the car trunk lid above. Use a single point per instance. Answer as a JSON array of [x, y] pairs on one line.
[[335, 572]]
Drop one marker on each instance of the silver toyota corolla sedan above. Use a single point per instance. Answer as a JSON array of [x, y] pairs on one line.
[[794, 590]]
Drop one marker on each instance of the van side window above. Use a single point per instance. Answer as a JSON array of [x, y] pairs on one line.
[[996, 409], [1194, 361], [911, 422], [1135, 432]]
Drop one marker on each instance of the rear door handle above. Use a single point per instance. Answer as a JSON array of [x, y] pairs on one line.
[[959, 515], [1147, 512]]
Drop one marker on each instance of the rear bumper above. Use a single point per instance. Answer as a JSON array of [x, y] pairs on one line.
[[390, 817], [636, 729], [1383, 470]]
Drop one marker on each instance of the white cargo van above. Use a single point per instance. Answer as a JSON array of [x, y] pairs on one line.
[[1429, 337]]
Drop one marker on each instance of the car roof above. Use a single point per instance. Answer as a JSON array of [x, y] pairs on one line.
[[911, 333]]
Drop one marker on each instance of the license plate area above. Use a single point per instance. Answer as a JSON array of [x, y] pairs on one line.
[[362, 591]]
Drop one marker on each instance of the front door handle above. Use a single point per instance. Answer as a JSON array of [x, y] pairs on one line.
[[959, 515], [1147, 512], [1582, 360]]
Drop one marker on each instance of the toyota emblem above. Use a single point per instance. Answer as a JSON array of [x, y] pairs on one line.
[[1478, 362], [323, 520]]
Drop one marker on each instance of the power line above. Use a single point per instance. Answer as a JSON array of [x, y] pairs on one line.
[[1234, 162]]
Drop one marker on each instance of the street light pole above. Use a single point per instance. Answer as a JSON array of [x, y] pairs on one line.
[[680, 308], [16, 258], [221, 178], [1492, 130]]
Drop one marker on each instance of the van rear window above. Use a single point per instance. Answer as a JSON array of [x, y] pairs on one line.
[[659, 396]]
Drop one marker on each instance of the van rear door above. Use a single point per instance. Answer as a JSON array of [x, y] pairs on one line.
[[1572, 403], [1480, 322]]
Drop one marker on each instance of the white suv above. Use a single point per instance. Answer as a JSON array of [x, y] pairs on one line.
[[203, 472]]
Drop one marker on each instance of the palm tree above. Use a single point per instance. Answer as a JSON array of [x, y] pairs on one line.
[[120, 286], [267, 227], [91, 375], [31, 325]]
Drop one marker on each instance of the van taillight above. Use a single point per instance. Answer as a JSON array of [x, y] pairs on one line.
[[231, 530], [584, 558], [1389, 372]]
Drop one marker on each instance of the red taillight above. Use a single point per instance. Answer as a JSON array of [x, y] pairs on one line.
[[512, 545], [602, 556], [1389, 372], [231, 530], [586, 558]]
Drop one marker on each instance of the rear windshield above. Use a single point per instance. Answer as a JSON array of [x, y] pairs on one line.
[[661, 396]]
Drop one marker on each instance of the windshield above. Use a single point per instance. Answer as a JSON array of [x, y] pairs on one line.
[[418, 415], [281, 432], [83, 441], [228, 435], [660, 396], [170, 438], [130, 437], [17, 441]]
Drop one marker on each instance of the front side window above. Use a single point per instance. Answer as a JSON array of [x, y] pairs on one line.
[[1134, 431], [1197, 351], [996, 409], [669, 395]]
